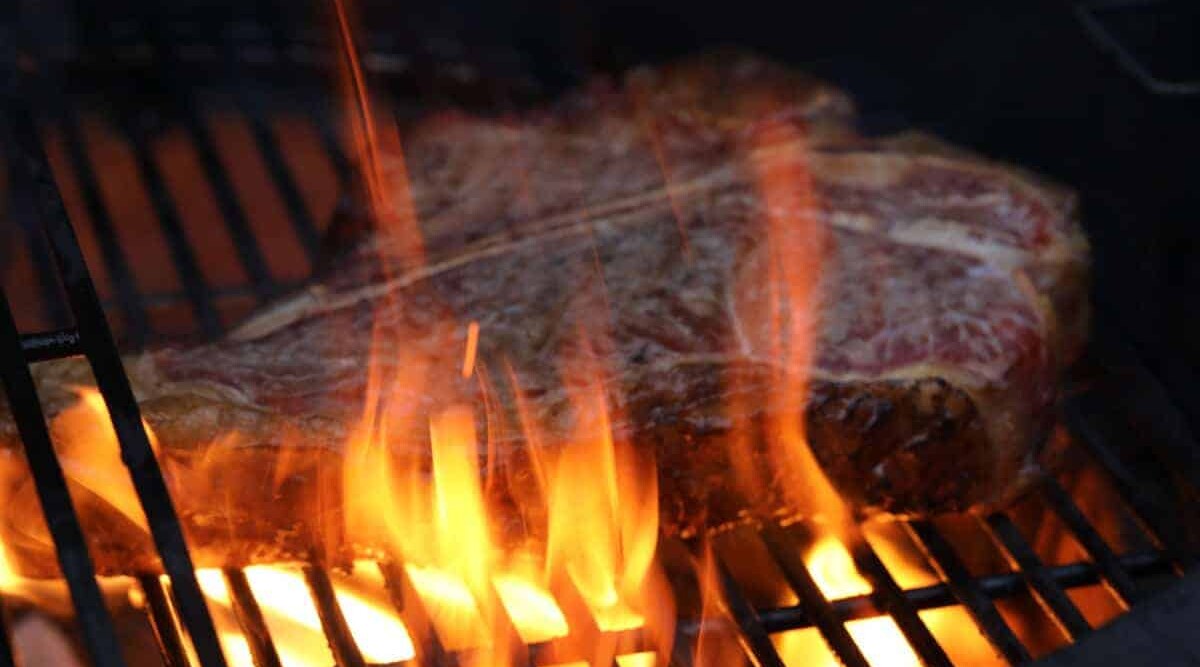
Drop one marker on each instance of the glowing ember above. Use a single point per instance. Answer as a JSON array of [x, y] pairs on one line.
[[533, 611], [834, 570], [295, 627], [452, 608], [882, 643], [643, 659], [468, 367], [879, 638]]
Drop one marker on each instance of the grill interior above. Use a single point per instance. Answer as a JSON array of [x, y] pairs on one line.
[[196, 177]]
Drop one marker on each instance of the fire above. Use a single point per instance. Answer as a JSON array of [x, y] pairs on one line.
[[464, 543], [603, 514], [295, 627], [879, 638], [90, 454], [796, 243], [386, 186], [468, 367], [534, 613], [716, 644], [437, 522]]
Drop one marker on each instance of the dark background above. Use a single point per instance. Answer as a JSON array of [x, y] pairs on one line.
[[1017, 80]]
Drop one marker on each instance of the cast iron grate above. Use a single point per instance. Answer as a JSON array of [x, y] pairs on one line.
[[176, 608]]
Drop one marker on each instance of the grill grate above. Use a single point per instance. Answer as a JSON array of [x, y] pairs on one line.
[[175, 607]]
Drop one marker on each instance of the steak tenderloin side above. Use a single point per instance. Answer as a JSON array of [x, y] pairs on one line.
[[951, 292]]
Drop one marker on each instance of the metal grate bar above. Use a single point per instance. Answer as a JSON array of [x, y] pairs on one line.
[[182, 255], [51, 486], [244, 240], [1156, 518], [321, 115], [404, 597], [786, 553], [890, 598], [324, 119], [250, 618], [110, 376], [996, 586], [970, 594], [518, 652], [22, 212], [1106, 561], [249, 100], [137, 325], [756, 639], [51, 345], [584, 631], [301, 218], [162, 621], [1052, 596], [6, 646], [337, 631], [680, 656]]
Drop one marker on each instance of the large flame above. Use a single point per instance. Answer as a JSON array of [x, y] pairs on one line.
[[90, 454], [603, 514], [796, 243]]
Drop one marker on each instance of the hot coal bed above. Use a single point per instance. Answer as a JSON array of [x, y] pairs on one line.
[[130, 132]]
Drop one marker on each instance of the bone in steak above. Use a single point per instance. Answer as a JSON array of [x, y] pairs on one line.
[[951, 293]]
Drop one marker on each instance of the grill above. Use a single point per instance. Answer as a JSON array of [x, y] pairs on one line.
[[1023, 592]]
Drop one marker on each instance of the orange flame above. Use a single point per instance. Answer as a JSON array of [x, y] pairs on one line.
[[294, 624], [90, 454], [796, 242], [468, 367], [879, 638], [717, 644], [387, 190], [603, 510]]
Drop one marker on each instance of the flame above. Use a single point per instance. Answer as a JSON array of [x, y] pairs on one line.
[[387, 186], [90, 453], [461, 530], [716, 644], [879, 638], [295, 626], [796, 242], [437, 522], [603, 508], [640, 659], [532, 609], [468, 366]]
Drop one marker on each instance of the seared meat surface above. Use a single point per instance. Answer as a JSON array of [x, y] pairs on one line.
[[654, 232]]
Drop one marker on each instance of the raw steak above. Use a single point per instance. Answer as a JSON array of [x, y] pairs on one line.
[[949, 292]]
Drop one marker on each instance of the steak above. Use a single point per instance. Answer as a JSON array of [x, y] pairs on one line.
[[652, 231]]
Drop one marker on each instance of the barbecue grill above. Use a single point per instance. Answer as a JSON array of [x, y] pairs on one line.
[[169, 170]]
